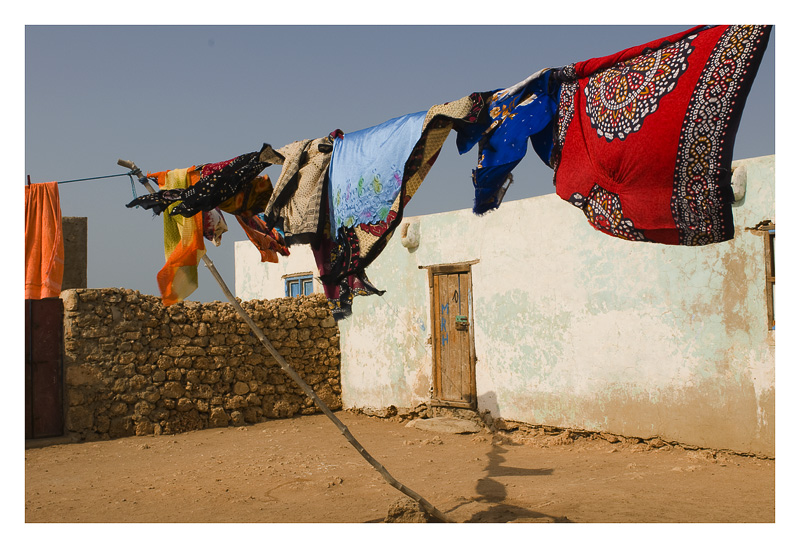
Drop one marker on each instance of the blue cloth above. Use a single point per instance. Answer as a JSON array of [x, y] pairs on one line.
[[515, 117], [366, 170]]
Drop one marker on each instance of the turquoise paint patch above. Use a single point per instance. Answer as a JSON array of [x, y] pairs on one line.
[[535, 330]]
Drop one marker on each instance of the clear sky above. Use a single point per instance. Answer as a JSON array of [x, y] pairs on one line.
[[169, 97]]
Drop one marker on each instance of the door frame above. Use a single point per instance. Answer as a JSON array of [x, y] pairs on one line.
[[452, 268]]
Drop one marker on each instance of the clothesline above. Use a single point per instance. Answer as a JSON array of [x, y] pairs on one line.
[[644, 153], [87, 178], [641, 141], [129, 175]]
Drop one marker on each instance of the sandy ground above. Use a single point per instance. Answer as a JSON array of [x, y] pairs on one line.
[[303, 470]]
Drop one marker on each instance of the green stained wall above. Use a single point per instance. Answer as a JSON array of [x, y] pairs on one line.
[[574, 328]]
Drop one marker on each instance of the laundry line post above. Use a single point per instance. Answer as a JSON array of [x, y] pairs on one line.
[[289, 370]]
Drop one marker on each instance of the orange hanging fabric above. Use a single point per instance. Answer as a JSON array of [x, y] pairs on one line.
[[183, 241], [267, 241], [44, 241]]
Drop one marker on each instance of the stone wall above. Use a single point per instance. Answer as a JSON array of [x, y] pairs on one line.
[[135, 367], [75, 252]]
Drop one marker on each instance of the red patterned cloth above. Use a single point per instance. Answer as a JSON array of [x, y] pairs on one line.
[[644, 138]]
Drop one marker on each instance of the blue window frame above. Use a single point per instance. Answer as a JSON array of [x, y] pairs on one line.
[[299, 285]]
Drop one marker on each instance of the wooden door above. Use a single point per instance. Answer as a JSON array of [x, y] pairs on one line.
[[453, 349], [44, 413]]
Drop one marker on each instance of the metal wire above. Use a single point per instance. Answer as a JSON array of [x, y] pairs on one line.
[[93, 178], [129, 175]]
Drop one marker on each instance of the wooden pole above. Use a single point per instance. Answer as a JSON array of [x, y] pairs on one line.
[[289, 370]]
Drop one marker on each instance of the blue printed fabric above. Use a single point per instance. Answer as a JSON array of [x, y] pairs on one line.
[[366, 170], [515, 115]]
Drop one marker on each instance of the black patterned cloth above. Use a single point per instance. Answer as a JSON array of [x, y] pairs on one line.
[[219, 182]]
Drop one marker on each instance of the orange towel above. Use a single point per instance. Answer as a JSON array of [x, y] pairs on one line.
[[44, 242], [183, 241]]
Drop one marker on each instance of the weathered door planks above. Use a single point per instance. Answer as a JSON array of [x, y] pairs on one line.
[[44, 413], [453, 368]]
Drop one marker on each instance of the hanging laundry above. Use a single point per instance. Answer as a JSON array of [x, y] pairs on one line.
[[340, 294], [219, 182], [248, 206], [250, 199], [44, 241], [296, 202], [366, 172], [214, 226], [355, 236], [644, 138], [268, 241], [524, 111], [183, 241]]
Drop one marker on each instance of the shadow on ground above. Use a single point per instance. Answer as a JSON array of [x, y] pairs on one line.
[[495, 493]]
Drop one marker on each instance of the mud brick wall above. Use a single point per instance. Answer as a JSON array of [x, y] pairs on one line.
[[135, 367]]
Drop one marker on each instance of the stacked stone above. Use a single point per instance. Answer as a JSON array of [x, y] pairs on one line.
[[135, 367]]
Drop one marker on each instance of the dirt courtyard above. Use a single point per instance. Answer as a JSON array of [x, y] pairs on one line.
[[302, 470]]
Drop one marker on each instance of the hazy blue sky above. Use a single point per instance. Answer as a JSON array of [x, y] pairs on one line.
[[169, 97]]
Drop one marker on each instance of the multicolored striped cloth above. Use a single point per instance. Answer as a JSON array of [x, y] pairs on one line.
[[183, 241]]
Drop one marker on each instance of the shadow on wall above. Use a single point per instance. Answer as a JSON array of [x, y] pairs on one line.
[[487, 403]]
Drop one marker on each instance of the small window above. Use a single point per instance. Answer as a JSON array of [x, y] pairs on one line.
[[297, 285]]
